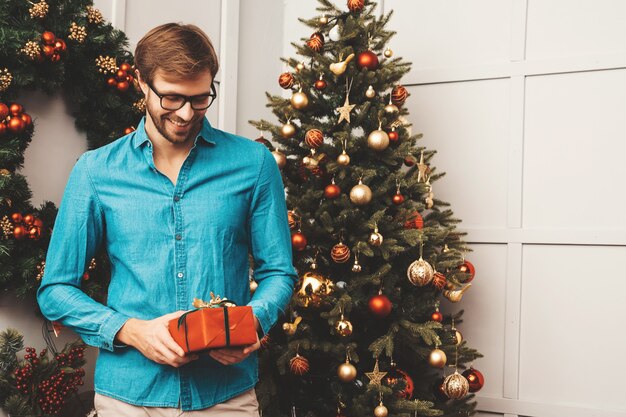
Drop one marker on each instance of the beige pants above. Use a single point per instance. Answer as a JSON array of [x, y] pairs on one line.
[[244, 405]]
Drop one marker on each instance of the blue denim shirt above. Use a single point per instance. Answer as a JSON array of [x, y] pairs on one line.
[[168, 244]]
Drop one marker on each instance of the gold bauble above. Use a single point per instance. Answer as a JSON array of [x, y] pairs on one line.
[[420, 273], [360, 194], [343, 327], [458, 336], [346, 372], [388, 53], [300, 66], [287, 130], [378, 140], [437, 358], [253, 286], [356, 268], [370, 92], [323, 20], [376, 239], [391, 108], [455, 386], [281, 159], [299, 100], [381, 411], [343, 159], [312, 287]]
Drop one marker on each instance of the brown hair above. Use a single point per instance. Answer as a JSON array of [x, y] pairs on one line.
[[176, 49]]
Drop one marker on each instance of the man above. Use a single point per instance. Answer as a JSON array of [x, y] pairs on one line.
[[179, 205]]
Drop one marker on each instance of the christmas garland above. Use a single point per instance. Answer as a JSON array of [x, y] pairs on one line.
[[66, 47]]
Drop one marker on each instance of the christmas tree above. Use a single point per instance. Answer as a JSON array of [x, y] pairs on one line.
[[376, 251]]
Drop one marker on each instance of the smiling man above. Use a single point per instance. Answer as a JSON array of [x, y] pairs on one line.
[[178, 205]]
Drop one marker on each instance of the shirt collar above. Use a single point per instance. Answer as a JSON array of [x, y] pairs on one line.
[[140, 136]]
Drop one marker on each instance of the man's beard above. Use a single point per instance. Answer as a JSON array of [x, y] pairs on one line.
[[160, 124]]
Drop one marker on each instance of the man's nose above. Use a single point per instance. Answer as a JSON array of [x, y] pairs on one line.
[[185, 112]]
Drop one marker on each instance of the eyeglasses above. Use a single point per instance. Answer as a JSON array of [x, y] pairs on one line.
[[177, 101]]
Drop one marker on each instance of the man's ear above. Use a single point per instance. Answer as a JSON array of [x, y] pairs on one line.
[[142, 84]]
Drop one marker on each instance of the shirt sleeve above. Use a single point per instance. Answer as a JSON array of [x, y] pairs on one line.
[[270, 241], [78, 232]]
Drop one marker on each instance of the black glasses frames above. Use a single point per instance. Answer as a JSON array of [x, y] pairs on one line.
[[177, 101]]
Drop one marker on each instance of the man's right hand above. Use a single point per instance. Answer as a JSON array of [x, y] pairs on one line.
[[153, 340]]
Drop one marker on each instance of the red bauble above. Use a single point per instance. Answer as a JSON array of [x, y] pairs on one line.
[[26, 119], [16, 124], [112, 82], [393, 136], [380, 306], [399, 95], [314, 138], [410, 161], [332, 191], [285, 80], [397, 199], [34, 233], [436, 316], [439, 280], [55, 58], [38, 222], [129, 79], [475, 378], [28, 219], [320, 85], [123, 86], [316, 42], [126, 67], [298, 241], [60, 46], [468, 268], [356, 5], [19, 232], [3, 129], [367, 59], [415, 221], [121, 75], [16, 109], [265, 142], [16, 217], [86, 276], [396, 376], [48, 38], [129, 130], [4, 111]]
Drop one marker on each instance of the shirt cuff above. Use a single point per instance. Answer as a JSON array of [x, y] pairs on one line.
[[261, 313], [112, 324]]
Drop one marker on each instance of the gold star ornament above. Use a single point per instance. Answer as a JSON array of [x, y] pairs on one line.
[[376, 376], [344, 111]]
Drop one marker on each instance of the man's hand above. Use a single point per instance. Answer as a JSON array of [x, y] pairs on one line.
[[230, 356], [153, 340]]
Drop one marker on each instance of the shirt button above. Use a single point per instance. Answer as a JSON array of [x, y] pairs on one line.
[[176, 198], [178, 237], [180, 275]]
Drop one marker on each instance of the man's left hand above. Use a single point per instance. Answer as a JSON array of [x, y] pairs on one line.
[[231, 356]]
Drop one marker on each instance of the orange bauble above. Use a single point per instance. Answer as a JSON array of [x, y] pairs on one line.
[[415, 221], [299, 365], [439, 280], [367, 59], [320, 84], [48, 51], [26, 119], [340, 253], [16, 217], [29, 219], [285, 80], [16, 124], [59, 45], [16, 109], [436, 316], [314, 138], [126, 67], [4, 111], [393, 136], [123, 86], [397, 199], [399, 95], [34, 233], [19, 232], [3, 128], [316, 42], [332, 191], [468, 268], [298, 241], [356, 5], [380, 306], [48, 38], [129, 130], [112, 82]]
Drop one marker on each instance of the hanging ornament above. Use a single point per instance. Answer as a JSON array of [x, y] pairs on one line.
[[316, 42], [314, 138], [455, 386], [320, 84], [381, 410], [370, 92], [288, 130], [77, 33], [340, 67], [286, 80], [312, 288], [38, 10], [332, 190], [467, 268], [439, 280], [299, 100], [436, 316], [475, 379], [323, 20], [265, 142], [398, 198], [253, 285], [298, 241], [299, 365], [346, 371], [409, 160], [356, 268], [343, 327], [333, 33], [397, 376], [32, 50], [456, 295], [393, 135], [265, 341], [291, 328], [280, 158], [391, 108], [414, 221], [378, 139], [375, 239], [458, 336], [437, 358], [422, 169], [343, 158], [356, 5], [360, 194], [94, 16], [388, 53], [379, 305], [299, 66], [344, 111], [430, 195], [399, 95], [367, 59], [293, 219], [340, 253], [420, 272], [5, 80], [376, 376]]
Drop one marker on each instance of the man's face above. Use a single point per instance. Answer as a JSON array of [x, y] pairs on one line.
[[182, 125]]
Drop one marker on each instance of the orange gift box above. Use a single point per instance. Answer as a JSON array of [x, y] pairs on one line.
[[214, 327]]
